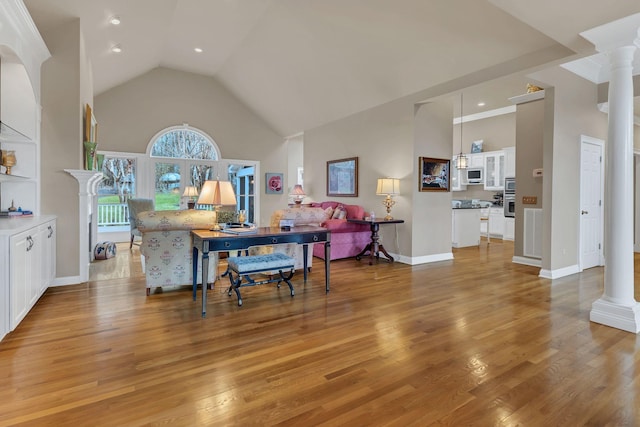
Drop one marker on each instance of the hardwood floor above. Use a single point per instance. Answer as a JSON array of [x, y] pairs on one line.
[[475, 341]]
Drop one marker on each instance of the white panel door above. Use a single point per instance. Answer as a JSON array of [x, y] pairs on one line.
[[591, 183]]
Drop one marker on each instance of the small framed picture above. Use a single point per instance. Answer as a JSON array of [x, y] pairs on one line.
[[433, 174], [342, 177], [274, 183]]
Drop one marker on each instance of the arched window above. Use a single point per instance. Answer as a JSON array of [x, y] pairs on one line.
[[184, 142], [181, 156]]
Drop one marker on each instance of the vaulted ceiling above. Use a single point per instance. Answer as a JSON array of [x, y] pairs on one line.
[[302, 63]]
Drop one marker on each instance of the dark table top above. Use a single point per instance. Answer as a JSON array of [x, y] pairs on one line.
[[376, 221]]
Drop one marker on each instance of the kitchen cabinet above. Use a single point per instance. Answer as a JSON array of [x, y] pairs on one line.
[[28, 259], [496, 222], [476, 160], [458, 177], [494, 169], [510, 162], [465, 227], [509, 229]]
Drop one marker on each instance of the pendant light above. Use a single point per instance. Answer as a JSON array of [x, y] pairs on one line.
[[461, 161]]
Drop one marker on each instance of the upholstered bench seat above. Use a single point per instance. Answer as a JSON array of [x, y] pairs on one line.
[[242, 266]]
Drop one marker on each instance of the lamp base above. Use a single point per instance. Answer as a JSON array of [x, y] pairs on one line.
[[388, 217]]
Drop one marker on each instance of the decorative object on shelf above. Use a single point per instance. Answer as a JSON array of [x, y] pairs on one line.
[[433, 174], [533, 88], [476, 146], [217, 193], [99, 162], [298, 194], [8, 160], [461, 161], [242, 216], [388, 187], [274, 183], [89, 155], [191, 192], [12, 208], [342, 177]]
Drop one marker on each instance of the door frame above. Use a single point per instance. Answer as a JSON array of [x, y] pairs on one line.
[[584, 139]]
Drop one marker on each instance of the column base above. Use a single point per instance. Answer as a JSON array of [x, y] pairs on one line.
[[615, 315]]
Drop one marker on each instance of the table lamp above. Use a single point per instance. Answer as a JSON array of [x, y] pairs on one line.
[[298, 194], [388, 187], [191, 192], [217, 193]]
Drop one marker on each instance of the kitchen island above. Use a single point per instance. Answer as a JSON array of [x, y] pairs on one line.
[[465, 227]]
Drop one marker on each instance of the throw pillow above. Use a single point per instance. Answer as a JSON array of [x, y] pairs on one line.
[[328, 212], [340, 212]]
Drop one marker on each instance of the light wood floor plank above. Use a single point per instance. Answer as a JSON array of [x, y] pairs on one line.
[[474, 341]]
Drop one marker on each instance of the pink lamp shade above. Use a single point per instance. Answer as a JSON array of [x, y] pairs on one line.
[[298, 194]]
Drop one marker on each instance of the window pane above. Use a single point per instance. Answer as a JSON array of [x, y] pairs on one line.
[[184, 144], [117, 186], [167, 186]]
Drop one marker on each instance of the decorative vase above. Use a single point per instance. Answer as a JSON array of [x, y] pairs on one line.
[[89, 154], [8, 160], [242, 216]]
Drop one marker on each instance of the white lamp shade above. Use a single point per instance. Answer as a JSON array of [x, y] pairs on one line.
[[390, 186], [190, 191], [297, 190], [217, 193]]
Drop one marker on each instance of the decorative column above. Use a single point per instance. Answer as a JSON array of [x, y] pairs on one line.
[[87, 183], [617, 307]]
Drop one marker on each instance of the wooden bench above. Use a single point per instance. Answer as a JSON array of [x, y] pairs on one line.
[[241, 266]]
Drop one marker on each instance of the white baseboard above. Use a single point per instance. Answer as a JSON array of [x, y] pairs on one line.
[[533, 262], [65, 281], [560, 272], [447, 256]]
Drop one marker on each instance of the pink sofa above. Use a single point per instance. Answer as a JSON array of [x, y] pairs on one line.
[[347, 239]]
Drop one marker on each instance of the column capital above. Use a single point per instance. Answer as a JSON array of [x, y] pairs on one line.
[[615, 34]]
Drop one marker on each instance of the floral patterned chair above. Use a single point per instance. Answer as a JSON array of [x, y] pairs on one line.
[[167, 246]]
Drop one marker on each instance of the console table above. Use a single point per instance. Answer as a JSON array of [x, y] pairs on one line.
[[207, 241], [374, 248]]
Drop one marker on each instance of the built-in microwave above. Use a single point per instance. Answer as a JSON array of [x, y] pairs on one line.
[[510, 186], [475, 176]]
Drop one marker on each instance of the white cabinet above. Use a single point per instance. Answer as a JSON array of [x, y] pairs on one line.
[[509, 229], [494, 168], [28, 259], [510, 162], [465, 229], [496, 222], [476, 160], [458, 177]]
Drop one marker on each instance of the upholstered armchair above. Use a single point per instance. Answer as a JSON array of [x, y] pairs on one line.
[[167, 246], [136, 206]]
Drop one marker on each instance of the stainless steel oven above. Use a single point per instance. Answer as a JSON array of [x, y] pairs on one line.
[[510, 205], [509, 199]]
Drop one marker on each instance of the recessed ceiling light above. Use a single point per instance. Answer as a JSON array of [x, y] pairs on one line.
[[115, 20], [481, 104], [116, 49], [198, 50]]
